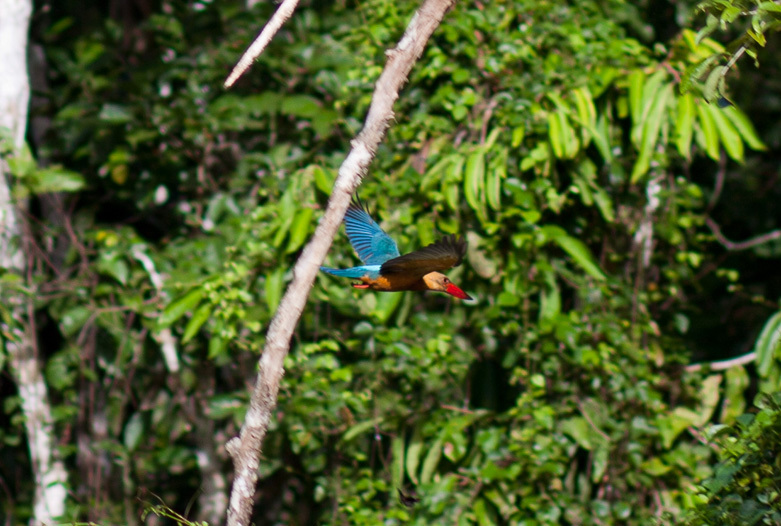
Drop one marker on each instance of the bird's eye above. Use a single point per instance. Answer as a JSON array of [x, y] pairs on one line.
[[446, 280]]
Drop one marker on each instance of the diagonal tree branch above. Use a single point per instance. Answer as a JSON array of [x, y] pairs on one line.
[[245, 449], [281, 15]]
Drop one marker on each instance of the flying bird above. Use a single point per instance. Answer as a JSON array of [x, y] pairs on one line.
[[385, 269]]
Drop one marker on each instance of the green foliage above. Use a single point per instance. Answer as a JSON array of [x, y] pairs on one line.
[[745, 488], [708, 77], [558, 144]]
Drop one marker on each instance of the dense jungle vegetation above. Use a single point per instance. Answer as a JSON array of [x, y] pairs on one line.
[[612, 179]]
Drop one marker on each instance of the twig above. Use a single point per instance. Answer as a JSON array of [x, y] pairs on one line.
[[719, 186], [735, 246], [284, 12], [245, 449], [459, 409], [724, 364], [165, 337]]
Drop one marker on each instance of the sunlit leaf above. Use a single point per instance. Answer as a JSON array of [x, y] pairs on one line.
[[179, 307], [710, 134], [684, 124], [730, 138], [414, 450], [200, 316], [577, 250], [768, 346], [745, 128]]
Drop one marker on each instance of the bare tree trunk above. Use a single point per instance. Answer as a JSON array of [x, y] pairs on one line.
[[18, 336], [246, 448]]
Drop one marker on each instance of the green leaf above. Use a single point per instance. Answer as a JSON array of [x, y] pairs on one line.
[[301, 106], [652, 91], [217, 347], [360, 428], [455, 173], [684, 125], [518, 134], [274, 284], [736, 382], [672, 424], [539, 153], [769, 7], [636, 82], [768, 346], [710, 134], [22, 163], [134, 431], [744, 127], [397, 454], [180, 307], [474, 180], [431, 461], [493, 186], [72, 320], [550, 297], [414, 450], [713, 87], [709, 398], [601, 136], [600, 463], [586, 112], [730, 138], [604, 203], [650, 132], [56, 179], [655, 467], [200, 316], [324, 179], [578, 429], [113, 264], [115, 114], [284, 228], [562, 136], [299, 229], [577, 250]]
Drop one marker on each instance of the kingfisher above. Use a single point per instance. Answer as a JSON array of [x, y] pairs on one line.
[[384, 269]]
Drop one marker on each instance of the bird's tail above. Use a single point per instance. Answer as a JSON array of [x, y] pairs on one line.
[[354, 273]]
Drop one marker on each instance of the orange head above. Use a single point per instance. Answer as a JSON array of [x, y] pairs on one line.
[[440, 282]]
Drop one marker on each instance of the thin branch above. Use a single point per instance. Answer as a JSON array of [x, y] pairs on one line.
[[735, 246], [724, 364], [165, 337], [284, 12], [245, 449], [719, 186]]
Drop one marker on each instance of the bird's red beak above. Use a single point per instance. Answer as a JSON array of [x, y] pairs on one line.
[[458, 293]]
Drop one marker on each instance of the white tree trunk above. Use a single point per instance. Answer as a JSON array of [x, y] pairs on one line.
[[19, 338]]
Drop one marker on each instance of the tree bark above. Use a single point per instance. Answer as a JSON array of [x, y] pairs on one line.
[[18, 336], [246, 448]]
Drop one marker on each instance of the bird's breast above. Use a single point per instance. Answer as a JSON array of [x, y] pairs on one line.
[[395, 282]]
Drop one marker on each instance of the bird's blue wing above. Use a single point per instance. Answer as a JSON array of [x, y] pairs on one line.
[[372, 244]]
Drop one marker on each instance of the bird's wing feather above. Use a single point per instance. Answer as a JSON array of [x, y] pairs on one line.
[[372, 244], [446, 253]]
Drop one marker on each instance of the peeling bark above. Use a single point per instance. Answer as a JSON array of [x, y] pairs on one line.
[[18, 337], [245, 449]]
